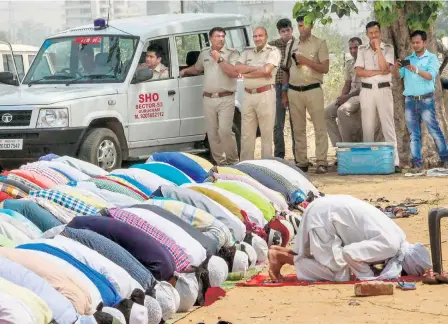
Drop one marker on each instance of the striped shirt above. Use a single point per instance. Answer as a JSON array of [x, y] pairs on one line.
[[77, 206], [180, 257], [51, 174], [12, 191]]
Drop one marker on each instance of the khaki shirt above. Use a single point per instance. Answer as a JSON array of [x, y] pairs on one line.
[[215, 80], [368, 59], [160, 72], [351, 76], [314, 49], [267, 55]]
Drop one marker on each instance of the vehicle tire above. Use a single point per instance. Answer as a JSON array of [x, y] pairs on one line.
[[102, 148], [236, 128]]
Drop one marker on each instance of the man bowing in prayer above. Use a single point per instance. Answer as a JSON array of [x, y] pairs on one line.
[[340, 235]]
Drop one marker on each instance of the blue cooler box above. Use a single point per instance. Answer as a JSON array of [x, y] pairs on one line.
[[365, 158]]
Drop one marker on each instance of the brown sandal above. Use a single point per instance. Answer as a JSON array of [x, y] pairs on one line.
[[430, 278], [442, 277]]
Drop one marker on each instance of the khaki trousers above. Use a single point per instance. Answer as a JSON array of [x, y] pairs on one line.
[[299, 103], [378, 100], [218, 114], [258, 110], [342, 130]]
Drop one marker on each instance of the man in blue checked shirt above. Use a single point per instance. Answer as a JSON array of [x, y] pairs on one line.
[[419, 71]]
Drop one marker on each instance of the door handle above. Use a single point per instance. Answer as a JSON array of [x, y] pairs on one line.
[[171, 93]]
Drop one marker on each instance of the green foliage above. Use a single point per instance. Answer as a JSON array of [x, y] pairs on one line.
[[441, 26], [419, 14]]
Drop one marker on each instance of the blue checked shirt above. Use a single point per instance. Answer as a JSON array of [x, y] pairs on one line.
[[415, 85], [75, 205]]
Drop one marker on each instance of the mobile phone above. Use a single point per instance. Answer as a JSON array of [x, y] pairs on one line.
[[405, 62], [294, 57]]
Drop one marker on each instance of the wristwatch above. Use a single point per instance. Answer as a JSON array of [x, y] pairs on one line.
[[220, 60], [416, 70]]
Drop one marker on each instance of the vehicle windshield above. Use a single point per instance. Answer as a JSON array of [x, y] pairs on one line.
[[83, 59]]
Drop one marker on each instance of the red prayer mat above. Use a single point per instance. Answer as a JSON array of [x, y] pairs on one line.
[[291, 280]]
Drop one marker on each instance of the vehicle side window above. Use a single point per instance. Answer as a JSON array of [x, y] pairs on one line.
[[8, 65], [148, 59], [31, 59], [189, 47], [238, 37]]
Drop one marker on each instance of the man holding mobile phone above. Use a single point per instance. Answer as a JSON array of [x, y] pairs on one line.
[[419, 71]]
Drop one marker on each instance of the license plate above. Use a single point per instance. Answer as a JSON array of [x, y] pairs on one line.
[[11, 144]]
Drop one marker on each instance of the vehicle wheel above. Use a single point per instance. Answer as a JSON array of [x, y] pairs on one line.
[[102, 148], [236, 128]]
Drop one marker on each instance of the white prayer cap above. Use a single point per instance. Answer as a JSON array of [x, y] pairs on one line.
[[240, 262], [188, 288], [261, 248], [154, 310], [138, 315], [218, 270], [168, 299], [249, 250], [115, 313], [416, 259]]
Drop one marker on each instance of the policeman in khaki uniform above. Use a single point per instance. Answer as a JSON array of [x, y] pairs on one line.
[[154, 62], [373, 66], [258, 67], [346, 107], [306, 62], [219, 96]]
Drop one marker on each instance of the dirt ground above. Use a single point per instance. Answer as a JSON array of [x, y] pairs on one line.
[[330, 303]]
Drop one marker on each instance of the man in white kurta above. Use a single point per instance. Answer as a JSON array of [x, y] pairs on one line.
[[340, 235]]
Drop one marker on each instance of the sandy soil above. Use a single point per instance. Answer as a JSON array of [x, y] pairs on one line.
[[330, 303]]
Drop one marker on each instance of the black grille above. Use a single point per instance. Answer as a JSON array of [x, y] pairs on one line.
[[19, 118]]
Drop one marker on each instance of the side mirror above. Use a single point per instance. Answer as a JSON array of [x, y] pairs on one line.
[[142, 75], [8, 78]]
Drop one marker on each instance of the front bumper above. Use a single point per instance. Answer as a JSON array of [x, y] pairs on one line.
[[39, 142]]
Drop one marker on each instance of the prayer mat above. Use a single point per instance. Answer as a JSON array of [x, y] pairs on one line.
[[261, 280]]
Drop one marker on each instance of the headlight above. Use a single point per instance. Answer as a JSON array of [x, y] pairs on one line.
[[52, 117]]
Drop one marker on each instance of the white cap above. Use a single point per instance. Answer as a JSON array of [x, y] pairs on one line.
[[168, 299], [416, 259], [138, 315], [240, 262], [188, 288], [261, 248], [115, 313], [154, 310], [249, 250], [218, 270]]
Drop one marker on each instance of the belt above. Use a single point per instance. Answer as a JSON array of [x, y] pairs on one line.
[[380, 85], [304, 88], [259, 90], [428, 95], [218, 94]]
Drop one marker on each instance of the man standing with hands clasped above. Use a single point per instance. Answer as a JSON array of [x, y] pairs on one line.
[[219, 95], [419, 71], [373, 66]]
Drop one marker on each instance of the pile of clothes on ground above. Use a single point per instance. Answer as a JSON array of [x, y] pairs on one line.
[[80, 245]]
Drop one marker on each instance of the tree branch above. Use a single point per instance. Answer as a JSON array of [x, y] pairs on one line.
[[444, 51]]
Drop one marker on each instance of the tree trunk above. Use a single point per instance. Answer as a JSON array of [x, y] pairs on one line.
[[399, 35]]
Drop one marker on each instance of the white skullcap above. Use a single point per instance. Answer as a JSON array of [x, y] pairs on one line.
[[115, 313], [261, 248], [218, 270], [168, 299], [154, 310], [138, 315], [240, 262], [188, 288], [249, 250], [416, 259]]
